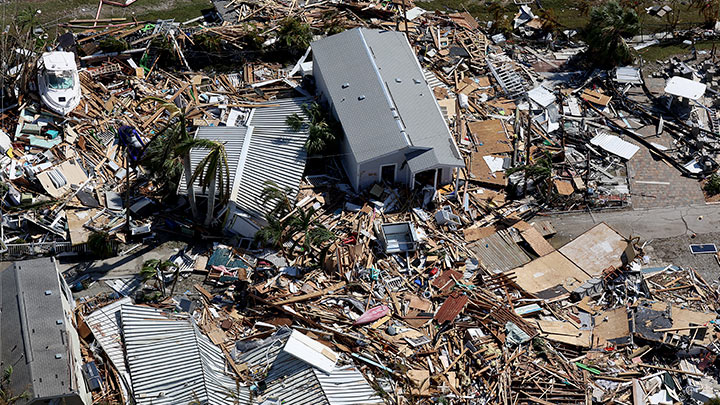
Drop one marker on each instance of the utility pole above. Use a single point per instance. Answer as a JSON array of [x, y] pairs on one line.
[[527, 144], [127, 192]]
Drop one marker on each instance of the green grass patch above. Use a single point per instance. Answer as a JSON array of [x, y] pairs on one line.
[[567, 12], [662, 52], [59, 11]]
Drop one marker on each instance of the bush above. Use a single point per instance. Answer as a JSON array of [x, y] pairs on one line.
[[111, 44], [712, 187], [294, 36], [100, 244], [604, 33]]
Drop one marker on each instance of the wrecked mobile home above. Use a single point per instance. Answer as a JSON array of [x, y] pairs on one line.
[[376, 214]]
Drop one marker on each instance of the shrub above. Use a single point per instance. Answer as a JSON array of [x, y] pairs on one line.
[[712, 187]]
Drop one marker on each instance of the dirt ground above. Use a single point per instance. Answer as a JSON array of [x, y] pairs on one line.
[[676, 250]]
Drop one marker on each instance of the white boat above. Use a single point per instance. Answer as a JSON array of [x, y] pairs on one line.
[[59, 82]]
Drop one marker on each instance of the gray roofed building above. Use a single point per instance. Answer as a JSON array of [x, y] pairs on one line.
[[37, 337], [262, 149], [394, 129], [293, 381]]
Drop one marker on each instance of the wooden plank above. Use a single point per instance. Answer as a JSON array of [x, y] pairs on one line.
[[315, 294], [595, 97], [536, 241]]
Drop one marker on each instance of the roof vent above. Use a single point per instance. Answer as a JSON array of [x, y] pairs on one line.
[[58, 356], [361, 98], [345, 85], [48, 292]]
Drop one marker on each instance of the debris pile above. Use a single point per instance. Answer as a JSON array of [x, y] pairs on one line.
[[440, 287]]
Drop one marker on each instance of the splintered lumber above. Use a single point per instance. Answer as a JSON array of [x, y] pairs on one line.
[[312, 295]]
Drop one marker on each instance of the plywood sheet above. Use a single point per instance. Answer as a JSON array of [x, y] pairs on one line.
[[473, 234], [481, 172], [595, 97], [564, 187], [565, 332], [72, 172], [597, 249], [75, 221], [537, 242], [610, 327], [491, 136], [683, 318], [549, 276]]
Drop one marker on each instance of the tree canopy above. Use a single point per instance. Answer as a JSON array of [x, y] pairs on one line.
[[609, 24]]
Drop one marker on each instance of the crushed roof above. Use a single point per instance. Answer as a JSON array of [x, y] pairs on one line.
[[264, 149], [172, 362], [294, 381]]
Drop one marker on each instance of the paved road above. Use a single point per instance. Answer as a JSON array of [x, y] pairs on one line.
[[654, 223]]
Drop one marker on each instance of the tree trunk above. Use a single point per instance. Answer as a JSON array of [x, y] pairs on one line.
[[175, 281], [190, 189], [211, 201]]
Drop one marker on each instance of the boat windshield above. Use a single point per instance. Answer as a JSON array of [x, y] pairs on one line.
[[60, 80]]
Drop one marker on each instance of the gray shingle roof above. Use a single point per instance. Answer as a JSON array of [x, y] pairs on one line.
[[382, 98], [30, 335]]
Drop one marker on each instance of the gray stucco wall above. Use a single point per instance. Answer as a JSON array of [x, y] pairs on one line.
[[370, 170]]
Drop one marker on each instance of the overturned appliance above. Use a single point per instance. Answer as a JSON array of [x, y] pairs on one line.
[[398, 237], [59, 82]]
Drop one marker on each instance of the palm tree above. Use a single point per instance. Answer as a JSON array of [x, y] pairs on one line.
[[156, 269], [708, 9], [274, 234], [206, 172], [609, 24], [100, 244], [172, 134], [300, 223], [314, 233], [293, 37], [321, 128], [7, 397], [273, 194], [539, 172]]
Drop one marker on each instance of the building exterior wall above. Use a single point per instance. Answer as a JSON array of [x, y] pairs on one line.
[[74, 356], [348, 158], [369, 172]]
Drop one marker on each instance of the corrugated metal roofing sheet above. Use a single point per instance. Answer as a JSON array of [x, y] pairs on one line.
[[266, 150], [615, 145], [294, 381], [498, 252], [451, 308], [384, 77], [105, 326], [171, 362], [276, 153]]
